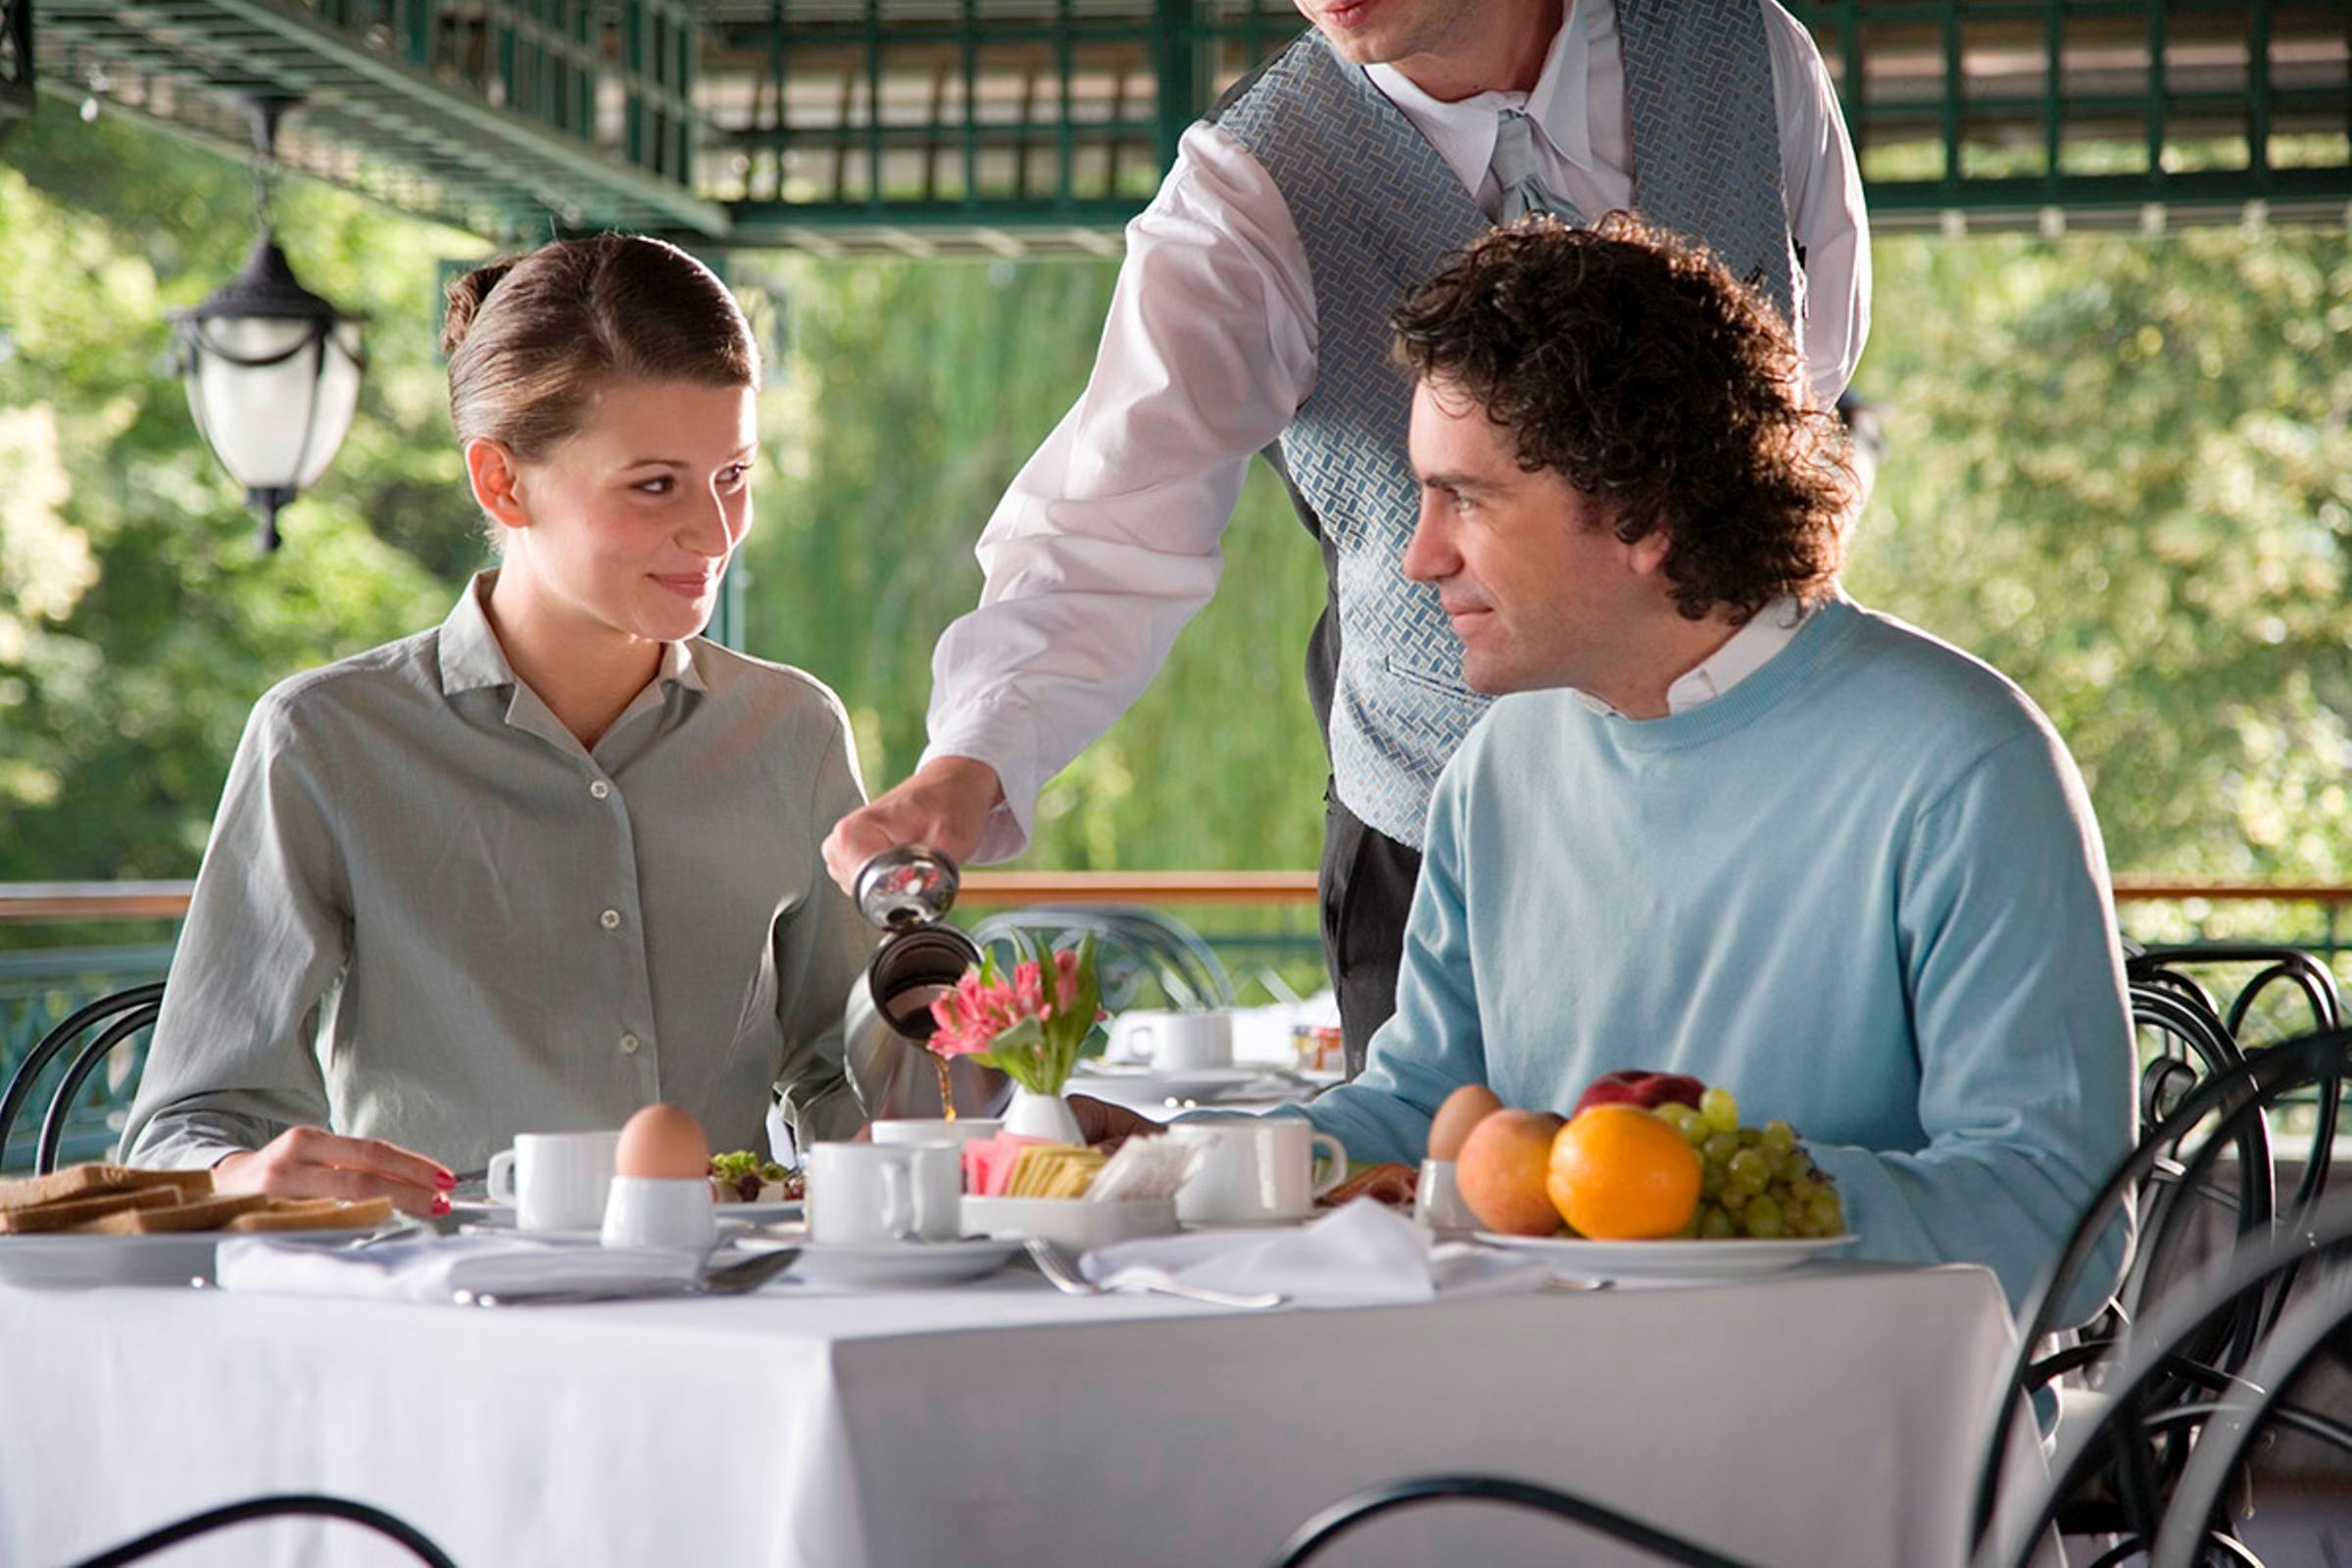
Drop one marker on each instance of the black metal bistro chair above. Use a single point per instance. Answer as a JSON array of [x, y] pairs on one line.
[[282, 1507], [89, 1033], [2147, 1428], [1351, 1513], [1135, 948], [2192, 1527]]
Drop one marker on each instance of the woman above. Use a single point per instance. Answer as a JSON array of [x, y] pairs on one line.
[[558, 857]]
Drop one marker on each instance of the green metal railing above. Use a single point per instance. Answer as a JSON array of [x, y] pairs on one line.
[[1265, 940], [1010, 126]]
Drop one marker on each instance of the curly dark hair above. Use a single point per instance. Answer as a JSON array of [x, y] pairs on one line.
[[1632, 362]]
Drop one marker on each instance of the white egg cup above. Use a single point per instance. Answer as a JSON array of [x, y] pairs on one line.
[[661, 1213]]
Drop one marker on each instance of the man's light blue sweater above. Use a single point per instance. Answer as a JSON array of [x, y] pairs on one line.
[[1862, 890]]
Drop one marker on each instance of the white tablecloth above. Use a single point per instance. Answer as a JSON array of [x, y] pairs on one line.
[[1824, 1417]]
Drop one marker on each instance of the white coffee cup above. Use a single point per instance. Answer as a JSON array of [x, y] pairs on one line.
[[885, 1193], [554, 1181], [1256, 1170], [902, 1130], [1179, 1042], [668, 1212]]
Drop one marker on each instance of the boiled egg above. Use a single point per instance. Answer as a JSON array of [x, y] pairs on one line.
[[665, 1143], [1460, 1112]]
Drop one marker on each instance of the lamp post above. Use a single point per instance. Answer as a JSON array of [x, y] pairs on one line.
[[272, 370]]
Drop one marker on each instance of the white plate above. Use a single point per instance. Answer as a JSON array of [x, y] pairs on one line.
[[174, 1257], [900, 1266], [1735, 1257], [1150, 1086]]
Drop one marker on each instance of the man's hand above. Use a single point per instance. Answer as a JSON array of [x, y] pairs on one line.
[[1101, 1122], [945, 804], [313, 1162]]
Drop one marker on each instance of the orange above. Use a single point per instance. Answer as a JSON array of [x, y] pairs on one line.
[[1620, 1173]]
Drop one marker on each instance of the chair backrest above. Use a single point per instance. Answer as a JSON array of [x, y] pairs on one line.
[[1349, 1513], [290, 1504], [107, 1022], [2235, 1099], [1134, 947], [2259, 1401], [2170, 1209], [2136, 1398]]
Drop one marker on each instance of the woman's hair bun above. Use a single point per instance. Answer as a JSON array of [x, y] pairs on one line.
[[466, 296]]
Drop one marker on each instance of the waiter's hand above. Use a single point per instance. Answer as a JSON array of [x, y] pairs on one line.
[[945, 804]]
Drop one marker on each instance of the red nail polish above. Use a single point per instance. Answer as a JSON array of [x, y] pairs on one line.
[[445, 1181], [440, 1205]]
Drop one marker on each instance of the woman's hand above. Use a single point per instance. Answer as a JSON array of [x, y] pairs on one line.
[[313, 1162]]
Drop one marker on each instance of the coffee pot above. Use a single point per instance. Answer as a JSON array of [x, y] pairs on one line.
[[906, 893]]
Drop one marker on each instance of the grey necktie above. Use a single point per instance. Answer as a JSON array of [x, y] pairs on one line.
[[1514, 171]]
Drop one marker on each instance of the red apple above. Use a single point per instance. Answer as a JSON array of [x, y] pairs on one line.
[[1636, 1086]]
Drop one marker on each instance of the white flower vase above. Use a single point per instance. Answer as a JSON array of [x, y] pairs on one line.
[[1048, 1117]]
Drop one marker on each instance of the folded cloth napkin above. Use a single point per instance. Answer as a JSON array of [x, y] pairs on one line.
[[1361, 1255], [436, 1269]]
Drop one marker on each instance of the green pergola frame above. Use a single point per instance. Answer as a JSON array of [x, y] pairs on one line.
[[939, 128]]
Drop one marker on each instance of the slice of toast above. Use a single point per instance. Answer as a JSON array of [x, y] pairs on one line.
[[205, 1214], [314, 1214], [69, 1212], [82, 1181]]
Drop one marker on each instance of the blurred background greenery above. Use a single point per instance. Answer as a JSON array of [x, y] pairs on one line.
[[2119, 468]]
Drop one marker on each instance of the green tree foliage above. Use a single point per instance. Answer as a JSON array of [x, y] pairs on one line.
[[911, 395], [139, 622], [2120, 471]]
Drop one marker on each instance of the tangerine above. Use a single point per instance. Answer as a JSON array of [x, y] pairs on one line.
[[1619, 1173]]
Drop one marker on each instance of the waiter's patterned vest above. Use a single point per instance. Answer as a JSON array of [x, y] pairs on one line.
[[1377, 211]]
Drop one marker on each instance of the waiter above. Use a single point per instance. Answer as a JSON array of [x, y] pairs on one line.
[[1251, 315]]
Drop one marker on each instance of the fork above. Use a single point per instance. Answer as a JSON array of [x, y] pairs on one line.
[[735, 1279], [1065, 1278]]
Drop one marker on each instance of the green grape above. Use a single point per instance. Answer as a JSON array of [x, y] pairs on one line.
[[1778, 1137], [1720, 1108], [1715, 1225], [1751, 1136], [1798, 1220], [1827, 1213], [1734, 1198], [1719, 1148], [1763, 1217], [1675, 1115], [1802, 1184], [1711, 1179], [1749, 1171], [1690, 1123]]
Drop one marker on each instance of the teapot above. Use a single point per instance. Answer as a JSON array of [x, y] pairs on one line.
[[906, 892]]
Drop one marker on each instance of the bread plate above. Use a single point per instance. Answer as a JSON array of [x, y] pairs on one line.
[[181, 1258]]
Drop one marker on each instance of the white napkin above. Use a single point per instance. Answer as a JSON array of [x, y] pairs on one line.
[[1362, 1254], [435, 1270]]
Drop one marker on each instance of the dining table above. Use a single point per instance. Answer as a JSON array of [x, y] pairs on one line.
[[1831, 1414]]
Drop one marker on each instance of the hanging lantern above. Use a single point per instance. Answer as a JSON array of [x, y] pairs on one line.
[[272, 370]]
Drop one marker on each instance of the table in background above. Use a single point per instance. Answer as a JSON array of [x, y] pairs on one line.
[[1824, 1417]]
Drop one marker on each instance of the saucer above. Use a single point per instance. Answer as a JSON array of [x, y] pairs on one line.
[[900, 1266]]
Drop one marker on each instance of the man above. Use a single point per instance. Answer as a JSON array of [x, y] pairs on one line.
[[1727, 823], [1252, 314]]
